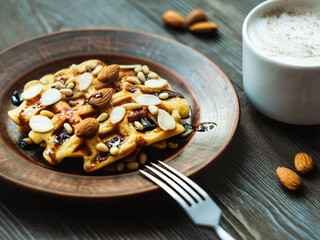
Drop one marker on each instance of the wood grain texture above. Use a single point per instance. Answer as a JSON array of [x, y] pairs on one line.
[[243, 183]]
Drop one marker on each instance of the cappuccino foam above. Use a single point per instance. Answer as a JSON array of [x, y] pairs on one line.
[[289, 35]]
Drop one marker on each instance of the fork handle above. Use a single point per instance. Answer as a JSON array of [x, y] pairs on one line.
[[223, 234]]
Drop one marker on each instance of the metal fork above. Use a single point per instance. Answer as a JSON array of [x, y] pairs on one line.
[[192, 198]]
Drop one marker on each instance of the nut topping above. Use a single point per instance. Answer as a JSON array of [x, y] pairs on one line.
[[117, 114], [40, 123], [148, 99], [101, 97], [87, 128], [85, 81], [50, 96], [109, 73], [32, 92], [156, 83], [165, 120]]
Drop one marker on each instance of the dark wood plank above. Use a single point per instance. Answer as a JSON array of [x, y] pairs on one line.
[[243, 182]]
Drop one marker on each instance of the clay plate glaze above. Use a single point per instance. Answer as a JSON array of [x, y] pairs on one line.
[[206, 88]]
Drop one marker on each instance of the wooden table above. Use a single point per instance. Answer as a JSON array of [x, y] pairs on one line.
[[243, 181]]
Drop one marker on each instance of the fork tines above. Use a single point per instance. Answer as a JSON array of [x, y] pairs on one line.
[[181, 188]]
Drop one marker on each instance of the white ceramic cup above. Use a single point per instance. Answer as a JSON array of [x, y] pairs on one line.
[[288, 93]]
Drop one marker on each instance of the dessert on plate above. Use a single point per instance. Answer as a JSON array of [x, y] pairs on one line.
[[101, 113]]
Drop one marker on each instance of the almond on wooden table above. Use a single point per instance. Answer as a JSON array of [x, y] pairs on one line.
[[203, 27], [196, 15], [109, 73], [173, 18], [289, 178], [303, 162], [87, 128]]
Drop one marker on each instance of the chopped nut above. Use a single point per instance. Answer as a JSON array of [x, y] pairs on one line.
[[67, 92], [59, 85], [142, 158], [141, 76], [132, 165], [172, 145], [114, 151], [138, 69], [47, 113], [120, 166], [153, 109], [97, 70], [102, 117], [70, 85], [102, 147], [145, 69], [70, 80], [43, 144], [133, 80], [82, 69], [68, 128], [138, 125], [152, 75], [27, 140], [74, 67], [163, 95]]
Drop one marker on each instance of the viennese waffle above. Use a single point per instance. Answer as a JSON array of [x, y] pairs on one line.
[[99, 113]]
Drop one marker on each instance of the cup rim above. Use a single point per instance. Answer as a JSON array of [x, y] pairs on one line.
[[246, 38]]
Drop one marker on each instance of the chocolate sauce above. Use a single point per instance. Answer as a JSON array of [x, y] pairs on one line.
[[138, 114], [114, 142], [16, 99], [61, 137], [172, 94], [132, 90]]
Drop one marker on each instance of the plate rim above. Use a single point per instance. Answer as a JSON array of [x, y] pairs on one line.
[[43, 191]]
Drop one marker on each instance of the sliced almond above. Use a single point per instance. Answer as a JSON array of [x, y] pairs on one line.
[[85, 81], [153, 75], [129, 66], [32, 92], [153, 109], [165, 120], [40, 123], [50, 96], [97, 70], [156, 83], [141, 76], [148, 99], [132, 106], [117, 114]]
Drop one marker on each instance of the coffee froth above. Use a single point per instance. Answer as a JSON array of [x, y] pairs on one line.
[[288, 33]]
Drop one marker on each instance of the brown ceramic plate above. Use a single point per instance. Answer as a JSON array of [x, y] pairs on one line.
[[207, 89]]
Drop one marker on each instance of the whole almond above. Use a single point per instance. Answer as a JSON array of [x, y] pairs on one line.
[[203, 27], [289, 178], [87, 128], [303, 162], [196, 15], [109, 73], [173, 18], [101, 97]]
